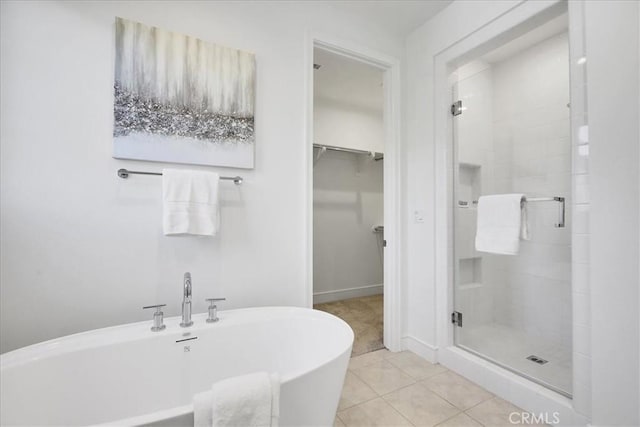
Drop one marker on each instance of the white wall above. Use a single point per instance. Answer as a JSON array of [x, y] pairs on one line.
[[613, 89], [345, 125], [83, 249], [347, 204]]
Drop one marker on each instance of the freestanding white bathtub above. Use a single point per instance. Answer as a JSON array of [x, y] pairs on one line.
[[128, 375]]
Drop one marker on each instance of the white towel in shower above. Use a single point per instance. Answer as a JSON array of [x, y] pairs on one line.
[[502, 223], [246, 401], [190, 202]]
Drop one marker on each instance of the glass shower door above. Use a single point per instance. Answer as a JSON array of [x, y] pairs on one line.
[[473, 296], [511, 135]]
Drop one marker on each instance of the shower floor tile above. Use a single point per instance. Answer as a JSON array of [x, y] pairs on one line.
[[511, 347]]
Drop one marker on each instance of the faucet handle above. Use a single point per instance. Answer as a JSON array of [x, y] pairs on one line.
[[158, 317], [157, 306], [213, 309]]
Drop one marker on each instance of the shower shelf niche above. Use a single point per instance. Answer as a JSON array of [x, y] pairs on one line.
[[469, 185], [470, 271]]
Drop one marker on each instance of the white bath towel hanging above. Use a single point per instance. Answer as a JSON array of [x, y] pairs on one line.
[[251, 400], [190, 202], [502, 223]]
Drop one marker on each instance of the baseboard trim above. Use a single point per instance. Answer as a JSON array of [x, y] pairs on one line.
[[420, 348], [340, 294]]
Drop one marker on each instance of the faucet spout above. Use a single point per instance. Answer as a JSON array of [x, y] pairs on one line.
[[186, 302], [187, 286]]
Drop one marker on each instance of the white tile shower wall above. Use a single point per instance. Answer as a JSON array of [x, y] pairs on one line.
[[533, 156]]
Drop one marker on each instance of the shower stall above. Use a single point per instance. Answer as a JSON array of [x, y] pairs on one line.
[[511, 134]]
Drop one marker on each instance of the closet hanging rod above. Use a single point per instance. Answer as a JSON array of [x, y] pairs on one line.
[[124, 173], [347, 150]]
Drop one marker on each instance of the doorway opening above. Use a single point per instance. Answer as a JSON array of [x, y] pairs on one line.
[[348, 194]]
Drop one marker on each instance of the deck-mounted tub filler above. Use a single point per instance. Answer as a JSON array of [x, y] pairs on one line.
[[129, 375]]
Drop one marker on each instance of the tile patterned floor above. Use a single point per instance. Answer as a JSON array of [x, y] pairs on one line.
[[402, 389], [365, 316]]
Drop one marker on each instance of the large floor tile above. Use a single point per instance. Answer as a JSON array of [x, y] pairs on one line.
[[369, 358], [414, 365], [355, 391], [383, 377], [376, 412], [458, 390], [460, 420], [494, 412], [420, 405]]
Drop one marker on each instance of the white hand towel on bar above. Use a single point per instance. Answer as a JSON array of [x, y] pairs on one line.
[[190, 202], [502, 222], [246, 401]]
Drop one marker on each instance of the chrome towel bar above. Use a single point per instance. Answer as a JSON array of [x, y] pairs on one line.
[[560, 223], [124, 173]]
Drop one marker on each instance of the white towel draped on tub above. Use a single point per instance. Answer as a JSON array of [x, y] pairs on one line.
[[190, 202], [502, 222], [246, 401]]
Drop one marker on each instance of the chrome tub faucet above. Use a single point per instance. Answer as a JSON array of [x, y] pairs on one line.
[[158, 317], [186, 302]]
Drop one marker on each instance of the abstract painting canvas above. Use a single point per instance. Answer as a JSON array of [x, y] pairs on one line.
[[179, 99]]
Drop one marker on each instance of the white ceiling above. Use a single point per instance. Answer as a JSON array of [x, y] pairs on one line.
[[398, 16], [347, 81]]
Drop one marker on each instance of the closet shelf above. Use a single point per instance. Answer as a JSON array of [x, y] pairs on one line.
[[323, 149]]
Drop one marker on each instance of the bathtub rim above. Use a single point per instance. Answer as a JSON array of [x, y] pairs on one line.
[[82, 341]]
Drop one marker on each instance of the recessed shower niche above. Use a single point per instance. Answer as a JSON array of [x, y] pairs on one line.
[[469, 185], [470, 272]]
